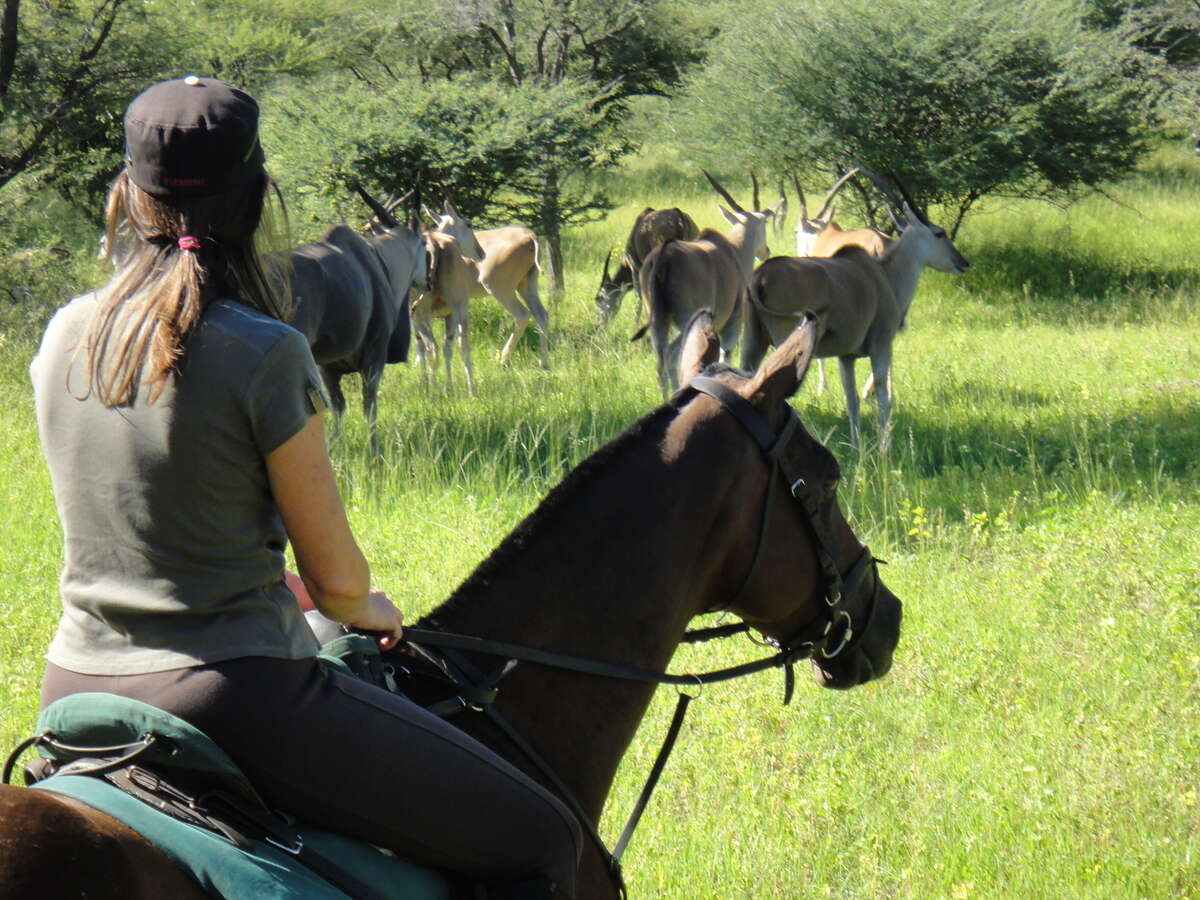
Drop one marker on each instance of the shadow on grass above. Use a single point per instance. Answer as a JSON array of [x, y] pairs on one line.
[[985, 394], [1154, 436], [1065, 285]]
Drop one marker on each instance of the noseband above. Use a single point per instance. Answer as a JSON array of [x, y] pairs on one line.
[[834, 632]]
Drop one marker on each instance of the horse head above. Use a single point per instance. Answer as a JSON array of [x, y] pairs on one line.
[[798, 575]]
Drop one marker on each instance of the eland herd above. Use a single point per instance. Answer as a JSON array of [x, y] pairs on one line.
[[361, 300]]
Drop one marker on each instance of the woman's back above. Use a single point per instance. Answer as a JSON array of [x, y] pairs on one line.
[[165, 506]]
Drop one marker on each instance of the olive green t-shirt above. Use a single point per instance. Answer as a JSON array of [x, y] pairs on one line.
[[174, 549]]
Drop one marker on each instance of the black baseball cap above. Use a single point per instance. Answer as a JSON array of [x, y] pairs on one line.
[[192, 137]]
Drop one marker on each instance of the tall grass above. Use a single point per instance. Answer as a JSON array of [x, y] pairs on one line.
[[1040, 733]]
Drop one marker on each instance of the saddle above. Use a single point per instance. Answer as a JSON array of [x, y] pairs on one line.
[[174, 786]]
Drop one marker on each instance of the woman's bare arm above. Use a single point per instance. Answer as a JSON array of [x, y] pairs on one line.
[[330, 563]]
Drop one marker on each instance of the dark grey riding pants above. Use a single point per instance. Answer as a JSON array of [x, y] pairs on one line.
[[351, 757]]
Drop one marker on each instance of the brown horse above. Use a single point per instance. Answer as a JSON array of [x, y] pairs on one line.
[[682, 514]]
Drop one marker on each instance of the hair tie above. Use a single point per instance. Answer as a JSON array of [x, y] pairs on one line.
[[187, 242]]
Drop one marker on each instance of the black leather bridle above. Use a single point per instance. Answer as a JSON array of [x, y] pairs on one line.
[[834, 633], [826, 637]]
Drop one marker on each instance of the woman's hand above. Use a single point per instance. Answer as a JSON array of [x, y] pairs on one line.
[[382, 618]]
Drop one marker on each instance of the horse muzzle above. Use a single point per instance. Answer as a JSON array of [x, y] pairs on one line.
[[869, 657]]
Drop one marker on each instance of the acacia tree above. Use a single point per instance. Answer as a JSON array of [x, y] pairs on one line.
[[68, 69], [962, 98], [61, 72], [1166, 35], [586, 58], [475, 141]]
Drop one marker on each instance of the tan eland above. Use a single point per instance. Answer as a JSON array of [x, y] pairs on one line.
[[860, 301]]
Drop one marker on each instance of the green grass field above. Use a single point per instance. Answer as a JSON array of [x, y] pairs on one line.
[[1039, 735]]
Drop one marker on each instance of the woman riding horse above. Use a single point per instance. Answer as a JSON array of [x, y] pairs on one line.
[[182, 423]]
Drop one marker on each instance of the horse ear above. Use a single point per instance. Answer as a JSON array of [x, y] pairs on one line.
[[700, 347], [783, 371]]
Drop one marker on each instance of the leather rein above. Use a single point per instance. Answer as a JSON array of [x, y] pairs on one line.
[[828, 636]]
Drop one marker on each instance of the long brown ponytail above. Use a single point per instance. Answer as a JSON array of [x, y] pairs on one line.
[[172, 258]]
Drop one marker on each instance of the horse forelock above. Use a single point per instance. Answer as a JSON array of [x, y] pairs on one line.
[[549, 514]]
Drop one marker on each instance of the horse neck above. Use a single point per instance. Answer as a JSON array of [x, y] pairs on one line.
[[612, 578]]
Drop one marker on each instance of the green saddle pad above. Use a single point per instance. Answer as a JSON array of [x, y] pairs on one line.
[[262, 872]]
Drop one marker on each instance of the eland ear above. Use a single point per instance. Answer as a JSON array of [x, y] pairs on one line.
[[729, 217], [782, 373], [700, 347]]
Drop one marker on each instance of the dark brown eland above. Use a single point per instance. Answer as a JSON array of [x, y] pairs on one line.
[[712, 272], [651, 229], [718, 501], [862, 301], [504, 264], [352, 304]]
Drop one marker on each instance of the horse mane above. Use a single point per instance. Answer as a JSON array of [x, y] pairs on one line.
[[551, 510]]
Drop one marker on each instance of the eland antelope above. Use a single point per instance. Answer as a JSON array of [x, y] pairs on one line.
[[679, 278], [452, 279], [652, 228], [822, 236], [504, 263], [352, 305], [861, 301]]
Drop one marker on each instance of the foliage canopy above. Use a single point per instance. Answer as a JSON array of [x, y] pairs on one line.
[[478, 142], [969, 98]]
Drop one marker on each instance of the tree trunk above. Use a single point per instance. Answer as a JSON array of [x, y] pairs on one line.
[[550, 227]]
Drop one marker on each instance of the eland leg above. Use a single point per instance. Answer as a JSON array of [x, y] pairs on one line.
[[755, 341], [520, 316], [881, 369], [729, 334], [448, 349], [337, 400], [462, 326], [422, 324], [846, 368], [869, 386], [658, 340], [541, 319], [370, 402]]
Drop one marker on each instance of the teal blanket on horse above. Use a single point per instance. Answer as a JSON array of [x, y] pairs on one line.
[[267, 873], [261, 872]]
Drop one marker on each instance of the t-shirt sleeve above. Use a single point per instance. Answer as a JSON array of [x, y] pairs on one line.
[[285, 392]]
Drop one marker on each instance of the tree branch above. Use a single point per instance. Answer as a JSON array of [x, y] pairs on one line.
[[514, 66], [76, 83], [541, 51]]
